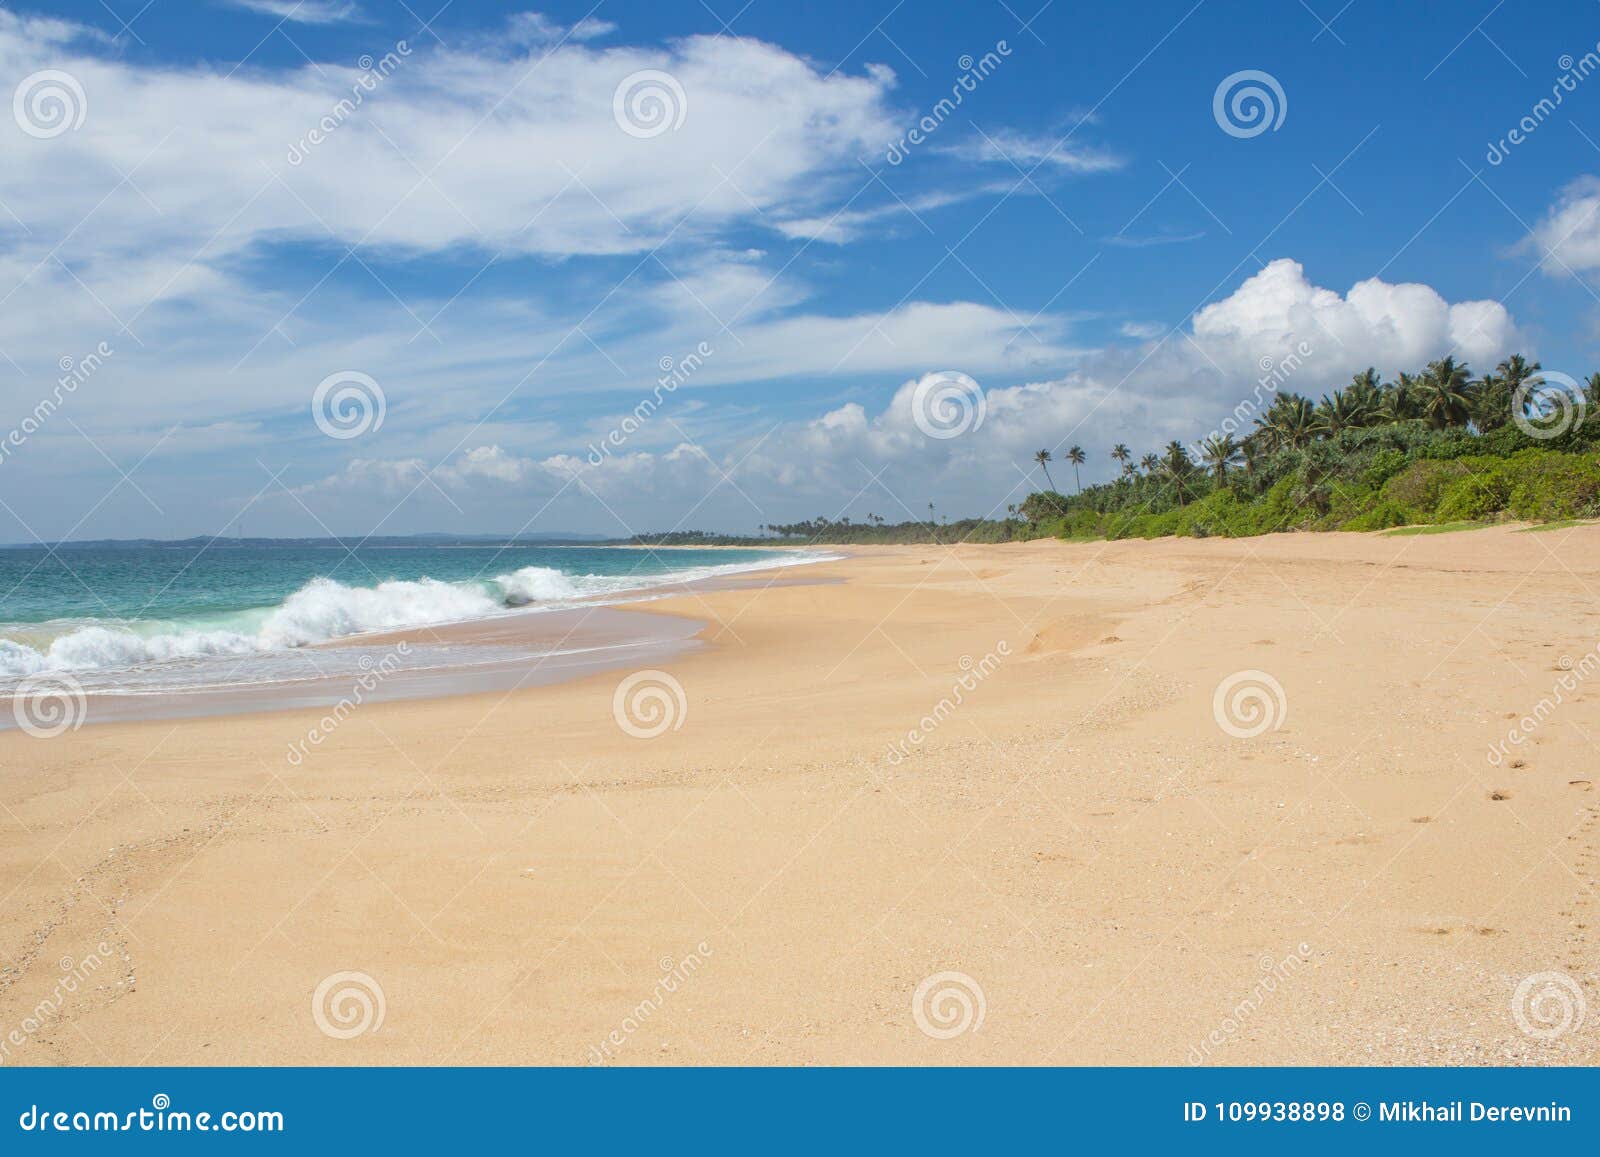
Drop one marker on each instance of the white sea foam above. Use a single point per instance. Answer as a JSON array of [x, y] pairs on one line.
[[536, 584], [324, 610]]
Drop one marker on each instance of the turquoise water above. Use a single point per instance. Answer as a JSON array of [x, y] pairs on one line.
[[183, 615]]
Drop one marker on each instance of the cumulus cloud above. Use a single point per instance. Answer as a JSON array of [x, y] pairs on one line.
[[1567, 238], [855, 456], [1396, 326]]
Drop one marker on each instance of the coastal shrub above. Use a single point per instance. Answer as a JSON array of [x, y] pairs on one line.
[[1207, 516], [1273, 511], [1473, 497], [1384, 464], [1419, 486], [1043, 506], [1387, 513], [1553, 486]]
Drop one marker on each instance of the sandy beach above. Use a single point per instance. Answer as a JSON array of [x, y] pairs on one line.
[[1081, 857]]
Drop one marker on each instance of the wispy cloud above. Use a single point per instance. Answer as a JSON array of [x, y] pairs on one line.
[[537, 28], [303, 11], [1145, 240], [1031, 150]]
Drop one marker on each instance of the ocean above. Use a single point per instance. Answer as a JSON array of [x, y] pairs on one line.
[[158, 619]]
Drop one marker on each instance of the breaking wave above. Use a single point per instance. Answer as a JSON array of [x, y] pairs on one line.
[[323, 610]]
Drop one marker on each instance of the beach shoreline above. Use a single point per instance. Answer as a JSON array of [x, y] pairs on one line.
[[999, 763], [557, 631]]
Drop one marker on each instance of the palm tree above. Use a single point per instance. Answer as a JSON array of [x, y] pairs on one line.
[[1446, 394], [1366, 389], [1077, 457], [1343, 411], [1516, 370], [1043, 458], [1491, 402], [1220, 451], [1251, 449], [1497, 392], [1178, 466], [1120, 453], [1149, 462], [1399, 401], [1290, 422]]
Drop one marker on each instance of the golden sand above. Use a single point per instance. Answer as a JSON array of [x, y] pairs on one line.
[[966, 805]]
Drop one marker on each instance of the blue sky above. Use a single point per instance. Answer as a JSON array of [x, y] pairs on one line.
[[506, 255]]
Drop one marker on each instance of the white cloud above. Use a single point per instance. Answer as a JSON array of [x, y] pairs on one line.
[[499, 148], [152, 224], [1143, 395], [302, 11], [536, 28], [1146, 240], [1567, 238], [845, 225], [1394, 326], [1029, 150]]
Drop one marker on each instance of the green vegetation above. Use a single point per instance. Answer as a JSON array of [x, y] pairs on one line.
[[1442, 528], [1428, 452], [1438, 450], [1558, 524], [875, 530]]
